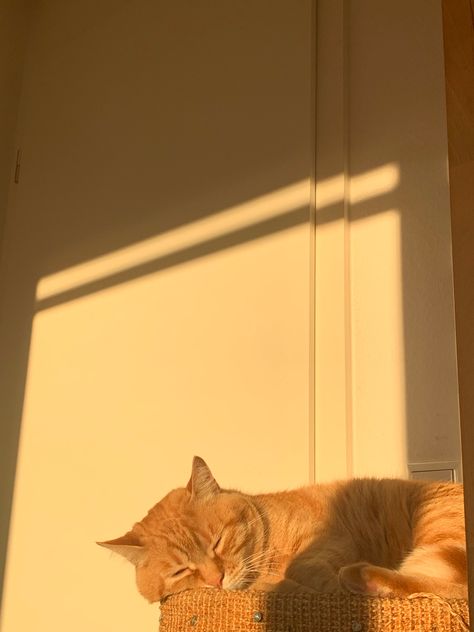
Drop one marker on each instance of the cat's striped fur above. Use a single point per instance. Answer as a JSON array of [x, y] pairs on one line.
[[368, 536]]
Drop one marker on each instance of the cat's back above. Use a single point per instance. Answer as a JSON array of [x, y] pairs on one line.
[[412, 500], [386, 518]]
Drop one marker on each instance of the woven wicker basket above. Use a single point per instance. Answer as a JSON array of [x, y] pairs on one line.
[[221, 611]]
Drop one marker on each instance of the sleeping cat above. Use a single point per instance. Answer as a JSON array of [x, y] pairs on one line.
[[367, 536]]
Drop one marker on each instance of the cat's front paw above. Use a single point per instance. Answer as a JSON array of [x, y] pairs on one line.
[[365, 579]]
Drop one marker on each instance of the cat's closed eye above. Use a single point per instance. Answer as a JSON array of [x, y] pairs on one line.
[[180, 571]]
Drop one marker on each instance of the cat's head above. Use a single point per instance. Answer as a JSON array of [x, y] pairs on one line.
[[194, 537]]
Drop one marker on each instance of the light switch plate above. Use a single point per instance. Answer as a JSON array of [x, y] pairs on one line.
[[436, 471]]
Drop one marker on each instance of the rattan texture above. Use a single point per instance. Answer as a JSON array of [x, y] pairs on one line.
[[222, 611]]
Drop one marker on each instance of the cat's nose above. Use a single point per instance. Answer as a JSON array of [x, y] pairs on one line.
[[216, 580]]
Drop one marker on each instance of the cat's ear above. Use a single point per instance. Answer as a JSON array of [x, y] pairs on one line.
[[202, 484], [129, 546]]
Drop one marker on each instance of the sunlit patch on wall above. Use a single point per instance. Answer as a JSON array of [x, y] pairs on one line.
[[359, 187], [378, 181], [378, 351]]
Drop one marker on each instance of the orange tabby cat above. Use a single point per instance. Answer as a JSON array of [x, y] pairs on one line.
[[368, 536]]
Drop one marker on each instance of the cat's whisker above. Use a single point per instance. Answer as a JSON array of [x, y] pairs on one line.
[[264, 533], [254, 556], [263, 568], [272, 551], [270, 554], [257, 518], [262, 562], [264, 571], [261, 565]]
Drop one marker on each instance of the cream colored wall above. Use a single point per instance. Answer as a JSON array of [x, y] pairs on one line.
[[157, 247], [386, 384]]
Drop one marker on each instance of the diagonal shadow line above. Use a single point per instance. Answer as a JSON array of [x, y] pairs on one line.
[[282, 222], [358, 210], [202, 249]]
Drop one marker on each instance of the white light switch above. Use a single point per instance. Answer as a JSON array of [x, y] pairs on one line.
[[445, 471]]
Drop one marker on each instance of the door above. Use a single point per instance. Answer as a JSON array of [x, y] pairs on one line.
[[459, 59]]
